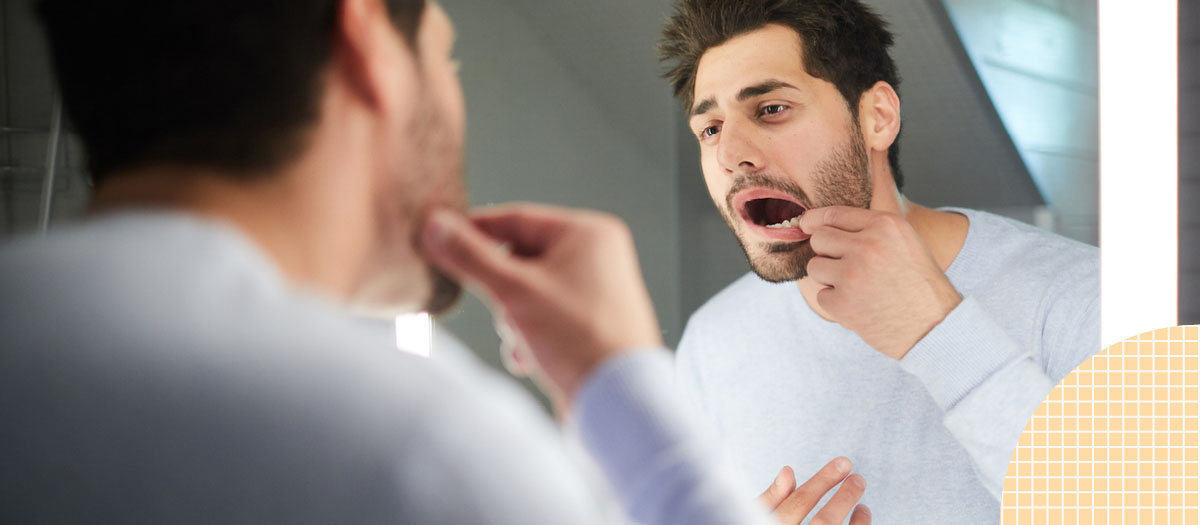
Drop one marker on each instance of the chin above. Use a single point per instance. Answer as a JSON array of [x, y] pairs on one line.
[[780, 262], [444, 295]]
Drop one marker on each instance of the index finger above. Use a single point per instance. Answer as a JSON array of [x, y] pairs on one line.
[[467, 254], [841, 217], [843, 501], [528, 228]]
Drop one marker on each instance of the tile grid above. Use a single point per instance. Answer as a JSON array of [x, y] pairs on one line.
[[1116, 441]]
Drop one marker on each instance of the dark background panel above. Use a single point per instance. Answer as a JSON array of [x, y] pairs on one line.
[[1189, 162]]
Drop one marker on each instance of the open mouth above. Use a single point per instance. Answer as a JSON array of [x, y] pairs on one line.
[[771, 213], [768, 208], [774, 213]]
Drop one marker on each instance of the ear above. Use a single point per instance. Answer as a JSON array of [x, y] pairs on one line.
[[370, 54], [879, 116]]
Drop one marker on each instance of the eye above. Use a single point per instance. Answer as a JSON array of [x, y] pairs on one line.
[[709, 132], [773, 109]]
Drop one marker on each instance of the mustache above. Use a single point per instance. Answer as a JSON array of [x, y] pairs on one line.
[[760, 180]]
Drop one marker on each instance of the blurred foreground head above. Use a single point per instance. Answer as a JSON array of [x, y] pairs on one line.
[[346, 115]]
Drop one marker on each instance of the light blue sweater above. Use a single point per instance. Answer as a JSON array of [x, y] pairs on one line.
[[933, 432], [159, 368]]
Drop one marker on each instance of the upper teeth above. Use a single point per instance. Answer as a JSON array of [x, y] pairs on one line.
[[790, 223]]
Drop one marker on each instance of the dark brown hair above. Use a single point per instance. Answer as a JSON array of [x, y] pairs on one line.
[[227, 84], [844, 42]]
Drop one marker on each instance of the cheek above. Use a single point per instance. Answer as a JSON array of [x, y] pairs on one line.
[[801, 150]]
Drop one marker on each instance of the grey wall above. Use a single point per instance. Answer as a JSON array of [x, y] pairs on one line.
[[543, 126], [1189, 161]]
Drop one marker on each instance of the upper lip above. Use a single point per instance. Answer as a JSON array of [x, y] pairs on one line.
[[744, 196]]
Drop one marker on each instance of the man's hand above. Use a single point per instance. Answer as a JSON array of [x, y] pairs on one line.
[[791, 504], [880, 279], [567, 282]]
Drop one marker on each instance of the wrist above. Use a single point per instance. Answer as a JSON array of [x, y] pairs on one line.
[[593, 357], [944, 301]]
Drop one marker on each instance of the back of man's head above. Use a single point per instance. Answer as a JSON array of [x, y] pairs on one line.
[[224, 84]]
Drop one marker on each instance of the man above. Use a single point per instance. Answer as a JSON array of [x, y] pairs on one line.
[[186, 355], [916, 342]]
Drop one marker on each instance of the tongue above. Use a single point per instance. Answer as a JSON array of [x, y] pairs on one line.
[[778, 210]]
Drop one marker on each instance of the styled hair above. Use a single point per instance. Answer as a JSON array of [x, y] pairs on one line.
[[844, 42], [227, 84]]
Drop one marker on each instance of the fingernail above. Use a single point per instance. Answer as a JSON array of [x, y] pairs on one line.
[[842, 465], [858, 481], [865, 510]]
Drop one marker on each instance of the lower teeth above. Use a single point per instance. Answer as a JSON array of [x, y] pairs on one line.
[[790, 223]]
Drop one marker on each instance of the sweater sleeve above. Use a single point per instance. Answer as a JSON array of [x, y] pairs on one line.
[[661, 464], [987, 386], [487, 454]]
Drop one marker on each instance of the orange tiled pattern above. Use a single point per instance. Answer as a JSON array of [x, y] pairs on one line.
[[1116, 441]]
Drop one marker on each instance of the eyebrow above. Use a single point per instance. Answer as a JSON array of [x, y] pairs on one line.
[[746, 93]]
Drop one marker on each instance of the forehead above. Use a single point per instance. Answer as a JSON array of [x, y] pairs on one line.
[[773, 51]]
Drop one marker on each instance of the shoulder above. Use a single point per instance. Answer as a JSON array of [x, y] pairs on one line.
[[178, 331], [1042, 285], [1007, 249]]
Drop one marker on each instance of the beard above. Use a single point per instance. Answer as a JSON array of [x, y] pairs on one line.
[[428, 175], [440, 156], [842, 179]]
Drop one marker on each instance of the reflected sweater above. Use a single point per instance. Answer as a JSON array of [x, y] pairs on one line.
[[933, 432]]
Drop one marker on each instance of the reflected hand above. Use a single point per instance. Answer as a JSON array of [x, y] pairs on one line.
[[880, 279], [569, 286], [791, 504]]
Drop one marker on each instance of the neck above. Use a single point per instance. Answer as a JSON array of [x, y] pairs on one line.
[[942, 232], [317, 228], [266, 211]]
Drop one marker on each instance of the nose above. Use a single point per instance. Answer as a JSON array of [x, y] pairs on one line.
[[738, 150]]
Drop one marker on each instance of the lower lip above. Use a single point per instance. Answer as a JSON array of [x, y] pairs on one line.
[[779, 234]]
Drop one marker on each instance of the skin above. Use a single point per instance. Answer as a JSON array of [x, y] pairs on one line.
[[879, 272], [374, 203], [793, 503]]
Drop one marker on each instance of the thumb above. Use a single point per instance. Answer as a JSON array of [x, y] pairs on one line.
[[462, 251]]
